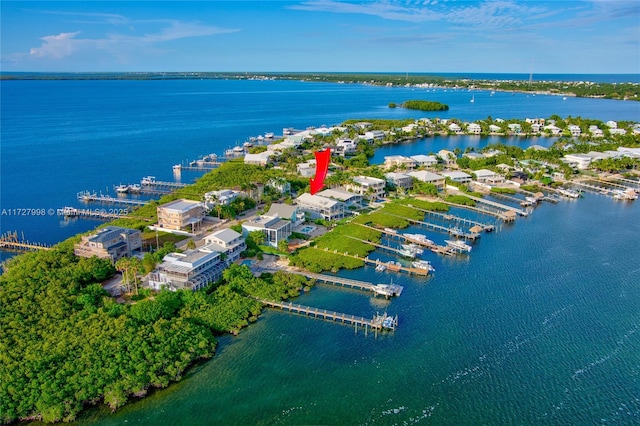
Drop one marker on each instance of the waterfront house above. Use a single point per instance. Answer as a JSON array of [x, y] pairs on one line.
[[191, 270], [474, 128], [612, 124], [260, 159], [307, 169], [399, 180], [376, 135], [515, 128], [488, 176], [181, 214], [222, 197], [425, 160], [554, 130], [460, 177], [617, 131], [454, 127], [111, 243], [227, 241], [574, 130], [348, 198], [495, 129], [345, 147], [281, 185], [367, 187], [580, 161], [447, 156], [275, 229], [319, 207], [286, 211], [399, 161], [473, 155], [429, 177], [596, 132]]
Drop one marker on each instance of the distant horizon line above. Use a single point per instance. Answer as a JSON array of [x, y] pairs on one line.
[[317, 72]]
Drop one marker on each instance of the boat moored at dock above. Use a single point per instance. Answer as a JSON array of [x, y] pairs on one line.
[[458, 245]]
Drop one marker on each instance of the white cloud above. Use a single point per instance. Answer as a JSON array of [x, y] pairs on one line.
[[65, 44], [56, 46]]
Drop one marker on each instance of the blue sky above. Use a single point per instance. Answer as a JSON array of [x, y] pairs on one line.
[[583, 37]]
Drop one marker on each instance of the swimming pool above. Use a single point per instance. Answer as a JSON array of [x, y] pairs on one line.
[[307, 229]]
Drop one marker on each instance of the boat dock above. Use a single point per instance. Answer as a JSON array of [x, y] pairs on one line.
[[480, 210], [457, 219], [87, 196], [633, 183], [10, 241], [433, 247], [393, 267], [497, 205], [433, 227], [151, 182], [386, 290], [378, 322]]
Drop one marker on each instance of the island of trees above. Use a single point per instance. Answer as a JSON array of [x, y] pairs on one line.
[[422, 105], [67, 344]]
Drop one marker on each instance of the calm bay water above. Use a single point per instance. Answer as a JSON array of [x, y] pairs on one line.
[[538, 325]]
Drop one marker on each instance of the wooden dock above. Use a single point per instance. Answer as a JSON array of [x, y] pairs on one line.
[[476, 209], [88, 197], [10, 241], [147, 183], [497, 205], [487, 227], [439, 228], [378, 322], [433, 247], [374, 262], [386, 290]]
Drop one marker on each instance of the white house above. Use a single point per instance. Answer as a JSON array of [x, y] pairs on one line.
[[574, 130], [554, 130], [474, 128], [488, 176], [307, 169], [223, 197], [454, 127], [193, 270], [612, 124], [181, 214], [260, 159], [320, 207], [399, 180], [275, 229], [428, 177], [288, 212], [345, 147], [405, 163], [367, 186], [348, 198], [581, 161], [425, 160], [226, 241], [495, 129], [461, 177], [447, 156]]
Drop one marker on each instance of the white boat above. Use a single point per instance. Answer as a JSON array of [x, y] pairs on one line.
[[381, 267], [458, 245], [135, 188], [473, 99], [148, 180], [390, 230], [423, 264], [122, 189], [419, 238], [407, 253], [413, 247], [269, 135], [621, 195], [177, 167], [569, 193]]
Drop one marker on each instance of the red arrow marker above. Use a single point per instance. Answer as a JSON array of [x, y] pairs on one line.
[[322, 166]]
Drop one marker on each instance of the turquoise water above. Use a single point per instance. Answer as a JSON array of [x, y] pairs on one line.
[[538, 325]]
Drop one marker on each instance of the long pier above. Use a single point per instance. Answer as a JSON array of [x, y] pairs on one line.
[[538, 195], [595, 188], [431, 246], [374, 262], [100, 198], [440, 228], [452, 218], [152, 183], [10, 241], [387, 290], [378, 322], [634, 183], [497, 205], [480, 210]]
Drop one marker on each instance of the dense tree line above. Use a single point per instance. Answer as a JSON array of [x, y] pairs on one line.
[[66, 344]]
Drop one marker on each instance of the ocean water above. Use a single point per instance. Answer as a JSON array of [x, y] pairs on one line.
[[538, 325]]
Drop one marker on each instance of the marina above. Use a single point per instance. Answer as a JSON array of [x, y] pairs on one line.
[[458, 232], [388, 266], [487, 227]]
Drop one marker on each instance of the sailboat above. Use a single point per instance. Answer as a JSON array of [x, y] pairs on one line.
[[473, 99]]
